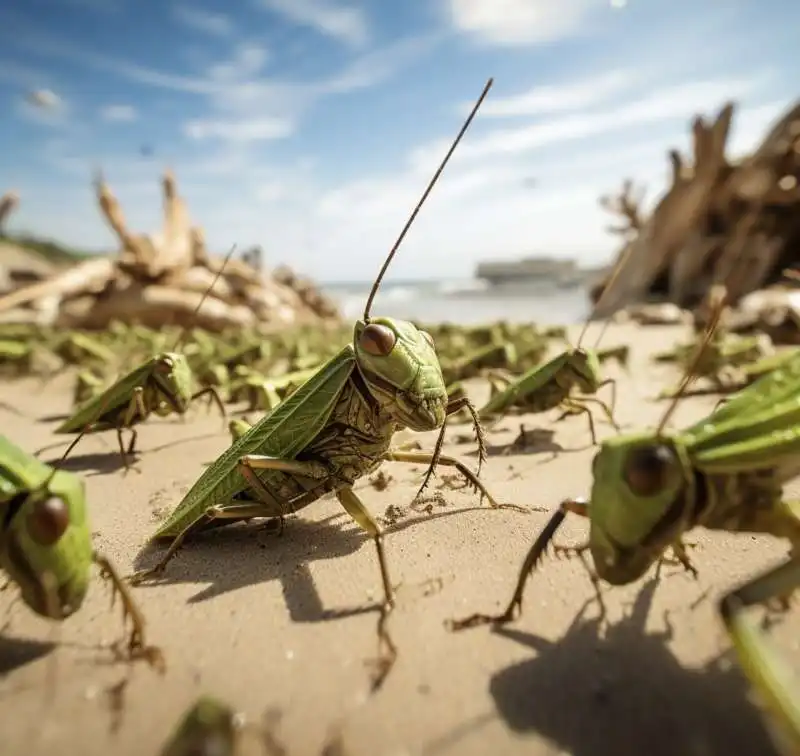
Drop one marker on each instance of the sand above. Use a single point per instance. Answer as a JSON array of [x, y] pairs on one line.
[[243, 614]]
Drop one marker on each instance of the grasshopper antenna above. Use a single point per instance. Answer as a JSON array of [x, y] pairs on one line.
[[717, 297], [185, 330], [619, 265], [431, 184]]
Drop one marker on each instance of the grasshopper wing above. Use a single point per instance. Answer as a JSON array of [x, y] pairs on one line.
[[759, 428], [527, 383], [115, 396], [285, 432]]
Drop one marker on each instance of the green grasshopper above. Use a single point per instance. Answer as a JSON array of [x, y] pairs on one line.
[[545, 387], [209, 728], [332, 430], [46, 544], [725, 472], [162, 385]]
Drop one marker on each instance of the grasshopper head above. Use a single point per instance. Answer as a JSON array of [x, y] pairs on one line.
[[173, 375], [637, 505], [47, 547], [586, 368], [400, 366]]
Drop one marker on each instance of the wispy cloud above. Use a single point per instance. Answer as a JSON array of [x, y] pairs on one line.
[[346, 23], [208, 22], [252, 130], [514, 23], [118, 113]]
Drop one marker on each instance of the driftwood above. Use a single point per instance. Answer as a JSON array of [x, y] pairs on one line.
[[159, 279], [734, 223], [8, 203]]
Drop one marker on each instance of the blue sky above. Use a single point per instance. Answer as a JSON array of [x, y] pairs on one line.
[[312, 126]]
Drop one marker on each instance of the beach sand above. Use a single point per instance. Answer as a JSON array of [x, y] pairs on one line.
[[241, 613]]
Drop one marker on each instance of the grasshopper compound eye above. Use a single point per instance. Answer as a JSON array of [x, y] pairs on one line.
[[647, 469], [48, 521], [377, 340]]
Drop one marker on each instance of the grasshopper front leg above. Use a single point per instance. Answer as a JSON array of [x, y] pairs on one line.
[[769, 675], [213, 396]]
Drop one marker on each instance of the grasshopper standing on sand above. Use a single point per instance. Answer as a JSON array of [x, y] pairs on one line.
[[551, 385], [46, 543], [162, 385], [725, 472], [335, 428]]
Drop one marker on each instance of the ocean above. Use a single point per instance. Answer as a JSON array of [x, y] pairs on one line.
[[465, 302]]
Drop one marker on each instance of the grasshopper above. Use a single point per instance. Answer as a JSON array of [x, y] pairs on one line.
[[725, 472], [162, 385], [332, 430], [46, 544], [545, 387], [209, 728]]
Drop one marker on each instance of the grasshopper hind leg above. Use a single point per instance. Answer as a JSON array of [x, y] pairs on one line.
[[778, 693]]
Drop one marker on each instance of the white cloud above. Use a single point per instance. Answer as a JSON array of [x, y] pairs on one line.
[[676, 103], [118, 113], [215, 24], [553, 98], [252, 130], [346, 23], [248, 60], [514, 23]]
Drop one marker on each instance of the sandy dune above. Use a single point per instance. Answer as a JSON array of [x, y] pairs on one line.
[[243, 614]]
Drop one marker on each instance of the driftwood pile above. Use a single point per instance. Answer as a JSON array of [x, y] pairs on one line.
[[160, 279], [727, 222], [8, 202]]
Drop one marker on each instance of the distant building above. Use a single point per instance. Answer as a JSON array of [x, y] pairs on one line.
[[562, 272]]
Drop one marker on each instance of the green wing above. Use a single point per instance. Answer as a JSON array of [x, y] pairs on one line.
[[285, 432], [115, 396], [19, 471], [527, 383], [758, 428]]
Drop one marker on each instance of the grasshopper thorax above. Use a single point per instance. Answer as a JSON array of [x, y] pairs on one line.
[[46, 546], [399, 365], [640, 504], [586, 370]]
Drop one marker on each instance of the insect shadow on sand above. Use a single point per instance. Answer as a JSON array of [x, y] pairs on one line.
[[107, 462], [17, 652], [626, 693], [228, 559]]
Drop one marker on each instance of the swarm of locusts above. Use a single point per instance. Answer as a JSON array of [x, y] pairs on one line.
[[328, 405]]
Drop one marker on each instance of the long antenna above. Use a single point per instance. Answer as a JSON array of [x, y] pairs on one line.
[[431, 184], [185, 330], [618, 266], [717, 297]]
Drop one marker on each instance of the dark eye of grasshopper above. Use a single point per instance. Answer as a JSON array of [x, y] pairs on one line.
[[377, 340], [48, 521], [647, 468]]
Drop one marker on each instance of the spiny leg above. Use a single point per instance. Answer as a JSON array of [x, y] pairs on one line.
[[767, 672], [532, 559], [581, 553], [362, 516], [603, 406], [136, 646], [577, 407], [136, 408], [421, 458], [613, 383], [213, 396], [456, 405]]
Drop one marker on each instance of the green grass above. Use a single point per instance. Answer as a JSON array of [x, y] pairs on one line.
[[46, 248]]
